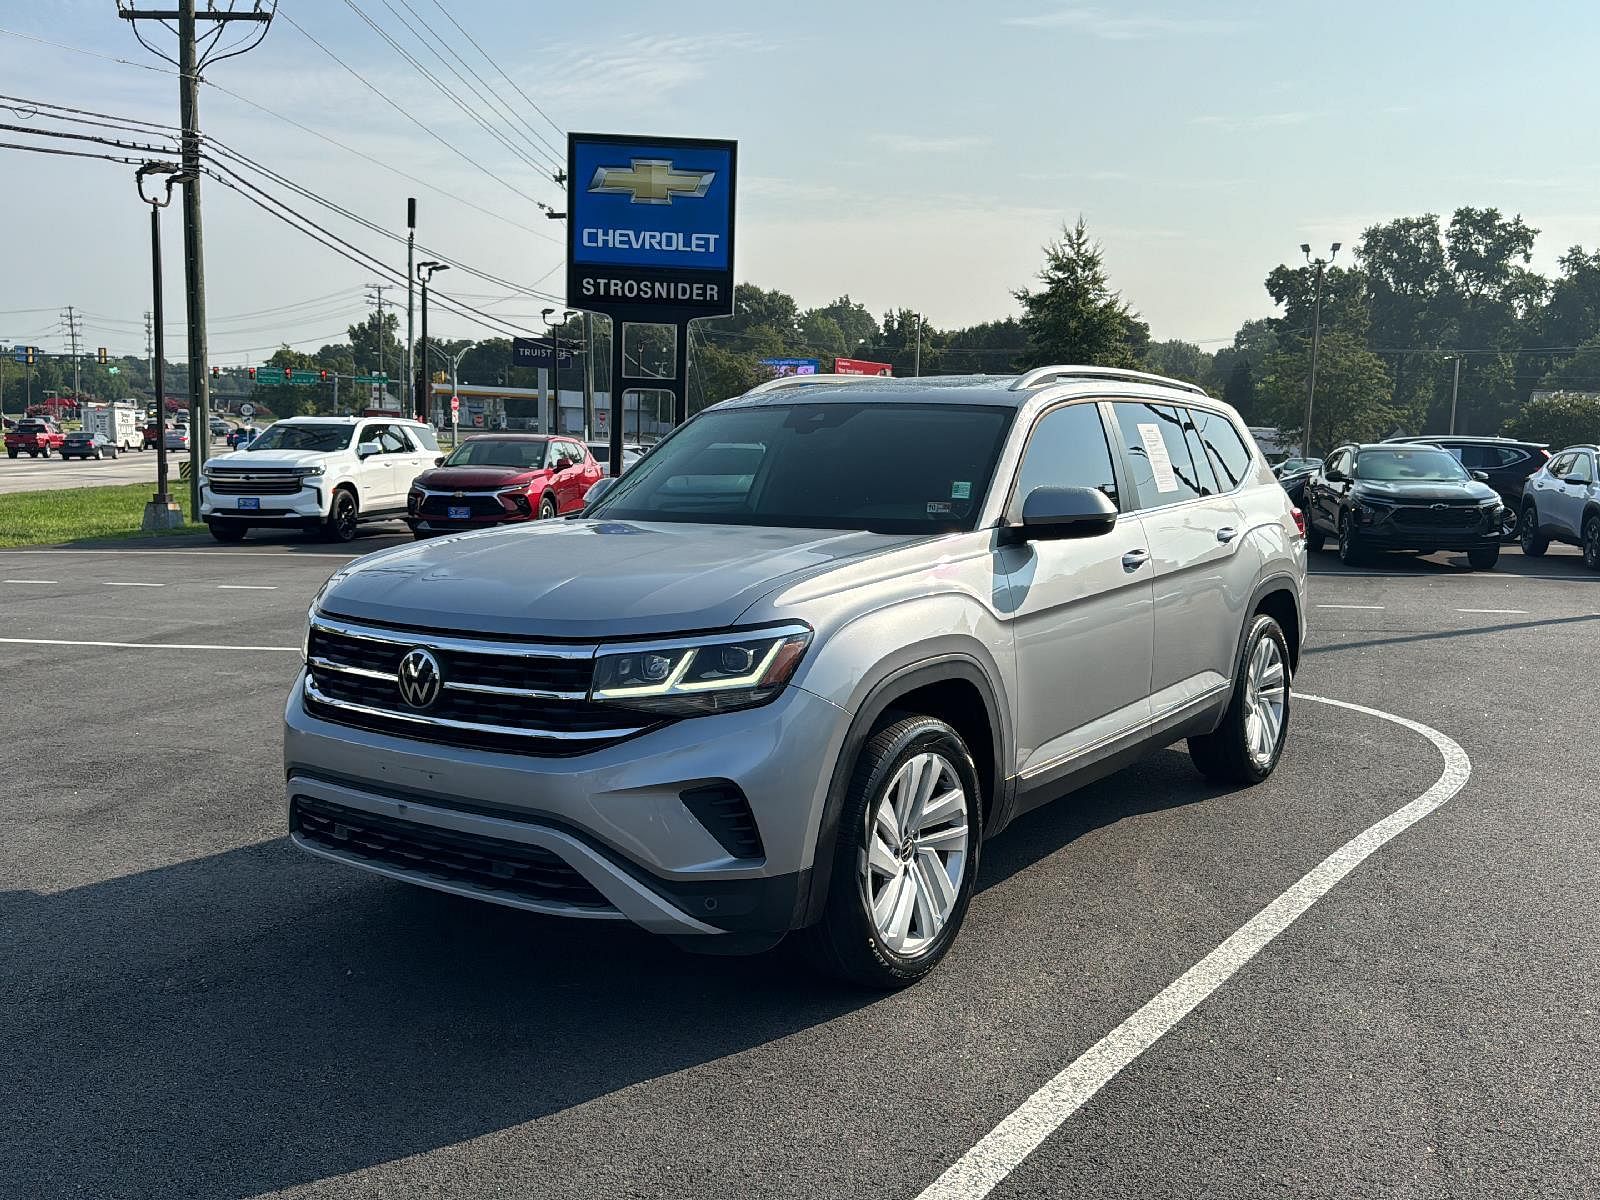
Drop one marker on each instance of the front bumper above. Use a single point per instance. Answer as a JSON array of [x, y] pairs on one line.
[[301, 508], [1399, 529], [614, 816]]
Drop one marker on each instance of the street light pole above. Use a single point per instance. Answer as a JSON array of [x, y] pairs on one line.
[[411, 285], [917, 367], [424, 394], [1321, 265], [160, 512], [1455, 389]]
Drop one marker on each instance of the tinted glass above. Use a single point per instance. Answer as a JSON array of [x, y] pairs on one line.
[[423, 436], [889, 468], [320, 438], [1163, 472], [1562, 466], [1068, 449], [601, 451], [1404, 464], [391, 441], [1583, 469], [1229, 455], [493, 452], [1204, 475], [1475, 458]]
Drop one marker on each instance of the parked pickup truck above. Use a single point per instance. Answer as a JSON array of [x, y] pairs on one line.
[[33, 436]]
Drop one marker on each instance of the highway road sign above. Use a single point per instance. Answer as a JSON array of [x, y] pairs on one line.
[[247, 410]]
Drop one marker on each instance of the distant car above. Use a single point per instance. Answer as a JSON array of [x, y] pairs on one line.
[[1296, 466], [1562, 504], [152, 433], [219, 427], [1402, 497], [500, 478], [177, 437], [33, 436], [1507, 464], [632, 452], [88, 445]]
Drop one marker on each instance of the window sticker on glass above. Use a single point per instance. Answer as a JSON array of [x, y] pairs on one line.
[[961, 490], [939, 506], [1160, 463]]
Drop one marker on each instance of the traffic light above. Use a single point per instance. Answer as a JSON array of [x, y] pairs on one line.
[[288, 374], [31, 350], [252, 373], [100, 356], [216, 372], [324, 375]]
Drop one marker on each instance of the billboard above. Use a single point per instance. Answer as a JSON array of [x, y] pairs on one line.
[[860, 366], [793, 366], [650, 226]]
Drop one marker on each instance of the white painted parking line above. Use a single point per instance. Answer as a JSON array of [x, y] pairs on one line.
[[1362, 607], [139, 645], [247, 587], [278, 556], [116, 583], [1496, 612], [31, 582], [977, 1172]]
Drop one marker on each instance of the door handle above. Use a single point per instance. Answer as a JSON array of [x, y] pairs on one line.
[[1134, 559], [1227, 533]]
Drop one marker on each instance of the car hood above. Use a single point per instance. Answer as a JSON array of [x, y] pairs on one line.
[[448, 479], [1468, 491], [588, 579], [266, 460]]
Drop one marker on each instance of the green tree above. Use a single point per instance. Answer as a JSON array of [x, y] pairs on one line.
[[1076, 317], [1353, 392], [716, 372], [366, 339], [1558, 418], [988, 348], [1581, 372], [1178, 360], [856, 325], [821, 336]]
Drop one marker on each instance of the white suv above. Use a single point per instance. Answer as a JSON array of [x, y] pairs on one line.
[[321, 474]]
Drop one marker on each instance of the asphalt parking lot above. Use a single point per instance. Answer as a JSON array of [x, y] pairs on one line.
[[192, 1008], [26, 474]]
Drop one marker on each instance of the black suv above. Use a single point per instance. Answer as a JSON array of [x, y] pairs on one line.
[[1402, 497], [1506, 463]]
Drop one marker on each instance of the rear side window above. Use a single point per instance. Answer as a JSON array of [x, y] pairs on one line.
[[422, 435], [1068, 449], [1163, 470], [1583, 468], [1229, 455], [1562, 467]]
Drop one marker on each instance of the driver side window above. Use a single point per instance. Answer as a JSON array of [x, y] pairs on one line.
[[1068, 448]]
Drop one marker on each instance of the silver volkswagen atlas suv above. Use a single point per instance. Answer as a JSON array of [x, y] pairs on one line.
[[793, 669]]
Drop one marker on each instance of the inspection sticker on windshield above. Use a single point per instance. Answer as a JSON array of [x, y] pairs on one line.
[[1156, 448], [961, 490], [939, 506]]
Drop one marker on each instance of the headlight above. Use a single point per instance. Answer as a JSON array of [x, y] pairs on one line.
[[316, 470], [691, 676]]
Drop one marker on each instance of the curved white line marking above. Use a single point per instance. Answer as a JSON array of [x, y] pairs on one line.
[[976, 1173]]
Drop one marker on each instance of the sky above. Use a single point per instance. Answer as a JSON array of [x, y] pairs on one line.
[[910, 153]]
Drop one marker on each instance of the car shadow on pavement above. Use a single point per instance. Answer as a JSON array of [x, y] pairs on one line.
[[250, 1020], [1437, 635], [1560, 563]]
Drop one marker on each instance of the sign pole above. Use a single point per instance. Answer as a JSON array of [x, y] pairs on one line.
[[614, 434]]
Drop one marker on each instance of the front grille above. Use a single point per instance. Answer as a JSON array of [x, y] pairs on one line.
[[434, 505], [286, 485], [509, 696], [723, 810], [492, 864], [1451, 517]]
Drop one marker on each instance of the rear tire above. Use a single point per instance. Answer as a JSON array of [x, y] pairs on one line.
[[228, 531], [1245, 748], [343, 518], [1315, 538], [1484, 558], [1533, 545], [882, 926]]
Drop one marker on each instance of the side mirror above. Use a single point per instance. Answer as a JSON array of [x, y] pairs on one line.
[[598, 489], [1334, 475], [1576, 480], [1049, 513], [438, 460], [1481, 476], [563, 464], [367, 449]]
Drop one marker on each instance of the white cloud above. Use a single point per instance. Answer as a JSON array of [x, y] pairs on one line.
[[1124, 27], [912, 143]]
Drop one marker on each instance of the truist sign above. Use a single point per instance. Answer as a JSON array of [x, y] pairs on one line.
[[650, 226]]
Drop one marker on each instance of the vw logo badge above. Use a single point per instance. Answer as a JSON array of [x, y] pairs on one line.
[[420, 678]]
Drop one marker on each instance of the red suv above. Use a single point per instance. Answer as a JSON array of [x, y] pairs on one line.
[[497, 478]]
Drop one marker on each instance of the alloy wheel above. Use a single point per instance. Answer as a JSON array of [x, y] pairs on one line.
[[1266, 693], [916, 853]]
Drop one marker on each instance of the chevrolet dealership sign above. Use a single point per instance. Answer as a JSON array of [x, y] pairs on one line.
[[650, 226]]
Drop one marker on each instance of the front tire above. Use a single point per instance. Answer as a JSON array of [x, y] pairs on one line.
[[1350, 551], [1591, 543], [228, 531], [1483, 558], [343, 518], [1245, 748], [1533, 545], [547, 508], [906, 856]]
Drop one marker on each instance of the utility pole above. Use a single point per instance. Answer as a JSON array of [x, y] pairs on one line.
[[588, 374], [411, 284], [377, 298], [916, 369], [1321, 265], [74, 325], [1455, 390], [191, 60]]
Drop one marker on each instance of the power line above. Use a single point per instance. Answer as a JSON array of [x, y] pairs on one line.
[[126, 62], [497, 67], [456, 150], [111, 158]]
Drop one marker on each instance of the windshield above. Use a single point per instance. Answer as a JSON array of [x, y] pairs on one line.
[[1401, 466], [495, 452], [321, 438], [888, 468]]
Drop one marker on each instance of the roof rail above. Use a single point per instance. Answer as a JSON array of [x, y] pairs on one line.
[[1040, 376], [789, 381]]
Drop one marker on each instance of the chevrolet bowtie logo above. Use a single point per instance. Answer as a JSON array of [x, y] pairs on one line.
[[651, 181]]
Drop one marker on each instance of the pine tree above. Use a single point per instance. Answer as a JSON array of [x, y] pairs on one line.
[[1076, 317]]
